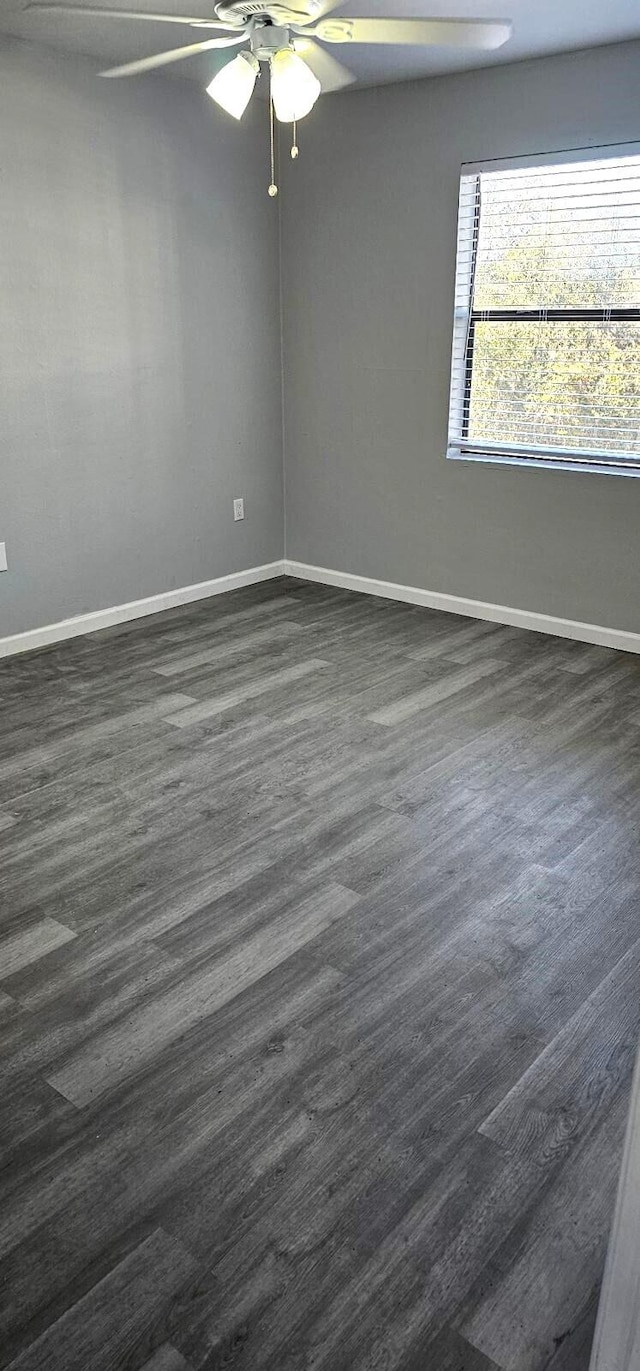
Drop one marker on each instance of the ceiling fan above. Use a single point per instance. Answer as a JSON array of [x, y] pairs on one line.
[[285, 38]]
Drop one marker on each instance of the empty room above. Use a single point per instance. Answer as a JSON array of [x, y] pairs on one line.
[[320, 685]]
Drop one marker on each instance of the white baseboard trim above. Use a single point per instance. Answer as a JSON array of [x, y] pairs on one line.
[[135, 609], [619, 638]]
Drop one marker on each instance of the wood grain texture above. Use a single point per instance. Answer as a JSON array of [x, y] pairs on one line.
[[167, 1358], [319, 989], [29, 944], [560, 1251], [449, 1352], [110, 1323], [579, 1070], [617, 1333], [127, 1046]]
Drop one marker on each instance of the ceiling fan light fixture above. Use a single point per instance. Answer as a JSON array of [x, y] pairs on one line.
[[232, 88], [294, 88]]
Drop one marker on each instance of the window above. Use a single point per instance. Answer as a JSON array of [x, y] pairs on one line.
[[546, 351]]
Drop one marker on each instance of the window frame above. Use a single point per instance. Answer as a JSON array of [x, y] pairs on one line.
[[466, 319]]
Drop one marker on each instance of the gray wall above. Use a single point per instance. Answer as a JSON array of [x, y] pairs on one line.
[[139, 339], [139, 334], [369, 230]]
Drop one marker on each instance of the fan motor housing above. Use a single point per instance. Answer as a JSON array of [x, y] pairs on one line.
[[238, 12]]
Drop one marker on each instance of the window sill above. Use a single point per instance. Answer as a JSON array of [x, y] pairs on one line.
[[559, 463]]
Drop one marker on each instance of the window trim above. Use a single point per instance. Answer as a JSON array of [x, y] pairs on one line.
[[514, 454], [553, 460]]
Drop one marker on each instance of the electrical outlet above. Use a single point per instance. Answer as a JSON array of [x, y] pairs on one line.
[[3, 557], [238, 509]]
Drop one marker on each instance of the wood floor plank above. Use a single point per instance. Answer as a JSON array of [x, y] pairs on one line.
[[220, 652], [207, 709], [465, 632], [537, 1289], [448, 1352], [21, 948], [316, 1032], [452, 684], [108, 1324], [125, 1048], [143, 1161], [28, 1108], [572, 1347], [578, 1073], [34, 765], [167, 1358]]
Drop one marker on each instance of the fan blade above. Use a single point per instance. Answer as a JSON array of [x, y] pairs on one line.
[[331, 74], [458, 33], [162, 59], [98, 12]]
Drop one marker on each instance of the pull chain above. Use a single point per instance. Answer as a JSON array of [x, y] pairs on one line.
[[273, 189], [294, 146]]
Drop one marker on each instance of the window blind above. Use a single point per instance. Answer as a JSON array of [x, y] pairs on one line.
[[546, 349]]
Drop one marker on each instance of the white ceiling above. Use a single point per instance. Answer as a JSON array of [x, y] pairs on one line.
[[539, 27]]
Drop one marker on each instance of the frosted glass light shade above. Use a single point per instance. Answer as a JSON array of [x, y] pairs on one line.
[[233, 87], [294, 88]]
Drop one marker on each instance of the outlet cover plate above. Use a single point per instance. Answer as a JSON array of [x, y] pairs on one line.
[[238, 509], [3, 557]]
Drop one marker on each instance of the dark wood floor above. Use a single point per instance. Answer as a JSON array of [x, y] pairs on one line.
[[320, 965]]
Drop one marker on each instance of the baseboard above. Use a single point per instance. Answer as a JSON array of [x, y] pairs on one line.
[[135, 609], [473, 609], [619, 638]]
